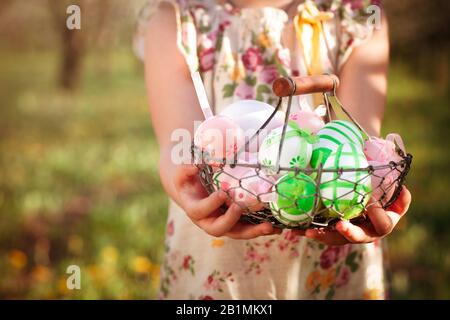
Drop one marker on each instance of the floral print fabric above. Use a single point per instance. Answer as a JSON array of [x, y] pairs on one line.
[[239, 53]]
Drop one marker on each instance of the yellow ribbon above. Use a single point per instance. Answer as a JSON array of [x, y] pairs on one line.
[[308, 22]]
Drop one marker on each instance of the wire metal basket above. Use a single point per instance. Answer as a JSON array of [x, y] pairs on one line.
[[302, 198]]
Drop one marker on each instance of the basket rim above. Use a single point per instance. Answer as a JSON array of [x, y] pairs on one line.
[[406, 160]]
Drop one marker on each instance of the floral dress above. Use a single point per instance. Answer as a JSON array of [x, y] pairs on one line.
[[239, 52]]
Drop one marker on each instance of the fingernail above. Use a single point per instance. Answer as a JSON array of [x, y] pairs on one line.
[[344, 226]]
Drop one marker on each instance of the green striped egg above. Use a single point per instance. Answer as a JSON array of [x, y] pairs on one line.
[[331, 136], [346, 193], [295, 198]]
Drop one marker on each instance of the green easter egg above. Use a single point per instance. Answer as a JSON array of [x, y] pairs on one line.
[[346, 193], [331, 136], [295, 199]]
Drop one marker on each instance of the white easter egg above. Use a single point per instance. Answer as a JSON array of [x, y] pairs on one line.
[[250, 115], [346, 193], [254, 121], [241, 107], [296, 151], [331, 136]]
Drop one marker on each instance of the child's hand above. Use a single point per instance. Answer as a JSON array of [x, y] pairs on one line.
[[204, 209], [381, 223]]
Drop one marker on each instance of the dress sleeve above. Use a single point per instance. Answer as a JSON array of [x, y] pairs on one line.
[[354, 24], [186, 30]]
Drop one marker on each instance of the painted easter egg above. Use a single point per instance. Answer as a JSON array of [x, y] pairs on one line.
[[296, 151], [250, 115], [383, 182], [252, 122], [241, 107], [220, 137], [331, 136], [243, 185], [379, 153], [308, 120], [295, 198], [346, 193]]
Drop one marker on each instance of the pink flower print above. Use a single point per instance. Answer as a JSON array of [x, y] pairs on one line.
[[255, 258], [269, 74], [206, 297], [350, 42], [354, 4], [282, 245], [344, 277], [212, 36], [344, 251], [290, 236], [295, 73], [186, 262], [215, 279], [329, 257], [224, 25], [206, 58], [268, 243], [170, 228], [252, 59], [289, 241], [245, 91], [284, 57], [211, 283]]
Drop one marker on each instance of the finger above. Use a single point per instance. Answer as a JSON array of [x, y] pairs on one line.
[[401, 205], [200, 209], [219, 225], [330, 237], [381, 221], [249, 231], [184, 172], [354, 233]]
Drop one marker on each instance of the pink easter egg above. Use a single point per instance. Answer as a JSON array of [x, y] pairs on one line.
[[243, 185], [248, 158], [307, 120], [220, 137], [380, 150], [383, 182]]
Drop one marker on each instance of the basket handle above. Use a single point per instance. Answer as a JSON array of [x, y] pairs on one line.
[[285, 86]]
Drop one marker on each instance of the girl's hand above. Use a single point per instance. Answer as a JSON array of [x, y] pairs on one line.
[[204, 210], [381, 223]]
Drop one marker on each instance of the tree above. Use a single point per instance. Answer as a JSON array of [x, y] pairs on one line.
[[97, 21]]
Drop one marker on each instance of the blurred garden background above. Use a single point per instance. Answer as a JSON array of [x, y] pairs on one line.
[[78, 176]]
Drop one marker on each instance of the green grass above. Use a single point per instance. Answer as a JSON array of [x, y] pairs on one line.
[[419, 253], [79, 182], [77, 169]]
